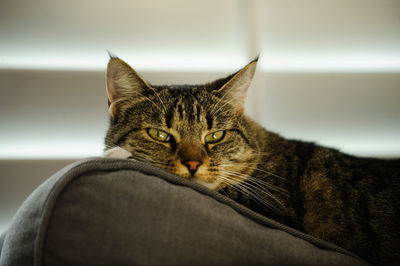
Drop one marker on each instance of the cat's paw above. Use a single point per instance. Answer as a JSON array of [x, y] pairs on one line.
[[117, 152]]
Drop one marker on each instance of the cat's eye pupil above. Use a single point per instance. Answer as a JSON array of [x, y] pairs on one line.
[[215, 136], [158, 135]]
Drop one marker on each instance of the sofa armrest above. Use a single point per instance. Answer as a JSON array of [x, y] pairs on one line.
[[107, 211]]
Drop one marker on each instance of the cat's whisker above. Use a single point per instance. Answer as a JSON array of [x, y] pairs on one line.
[[264, 183], [253, 168], [165, 108], [221, 112], [259, 182], [254, 186], [147, 98], [240, 180], [256, 180], [259, 200], [215, 105], [250, 193]]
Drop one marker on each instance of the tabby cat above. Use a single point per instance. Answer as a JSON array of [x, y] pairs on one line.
[[200, 132]]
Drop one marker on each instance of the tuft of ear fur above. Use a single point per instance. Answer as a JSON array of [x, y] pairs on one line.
[[122, 82], [235, 89]]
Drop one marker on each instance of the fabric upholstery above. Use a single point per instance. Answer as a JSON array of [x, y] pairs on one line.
[[120, 212]]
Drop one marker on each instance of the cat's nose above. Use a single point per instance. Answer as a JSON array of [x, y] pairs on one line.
[[192, 166]]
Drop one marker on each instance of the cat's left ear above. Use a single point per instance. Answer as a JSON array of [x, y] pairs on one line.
[[235, 89]]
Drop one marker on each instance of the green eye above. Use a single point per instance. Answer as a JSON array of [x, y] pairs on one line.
[[159, 135], [215, 137]]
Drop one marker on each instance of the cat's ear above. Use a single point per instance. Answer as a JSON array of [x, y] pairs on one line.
[[235, 88], [122, 83]]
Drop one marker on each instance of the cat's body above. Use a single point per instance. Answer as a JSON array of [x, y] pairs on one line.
[[349, 201], [201, 133]]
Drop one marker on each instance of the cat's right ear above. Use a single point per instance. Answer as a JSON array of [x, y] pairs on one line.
[[235, 88], [122, 83]]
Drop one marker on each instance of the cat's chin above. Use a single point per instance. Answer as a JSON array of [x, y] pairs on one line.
[[215, 185]]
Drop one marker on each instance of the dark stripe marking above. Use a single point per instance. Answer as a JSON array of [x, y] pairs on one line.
[[242, 135], [125, 136], [209, 121], [198, 112], [180, 111]]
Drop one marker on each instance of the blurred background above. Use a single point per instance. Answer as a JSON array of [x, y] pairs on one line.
[[329, 72]]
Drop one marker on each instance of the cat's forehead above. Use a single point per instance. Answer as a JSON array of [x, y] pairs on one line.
[[181, 87], [186, 95], [188, 108], [183, 91]]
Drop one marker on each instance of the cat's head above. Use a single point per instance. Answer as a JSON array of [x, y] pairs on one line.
[[197, 132]]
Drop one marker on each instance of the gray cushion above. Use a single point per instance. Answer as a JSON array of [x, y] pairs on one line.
[[2, 237], [120, 212]]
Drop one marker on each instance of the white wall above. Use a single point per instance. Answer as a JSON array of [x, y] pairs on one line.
[[329, 72], [326, 35]]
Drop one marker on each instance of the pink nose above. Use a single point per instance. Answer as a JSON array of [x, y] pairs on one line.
[[192, 166]]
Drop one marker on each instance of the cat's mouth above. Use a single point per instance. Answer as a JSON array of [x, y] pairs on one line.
[[211, 183], [207, 175]]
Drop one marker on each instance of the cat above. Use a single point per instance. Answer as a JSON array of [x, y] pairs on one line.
[[200, 132]]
